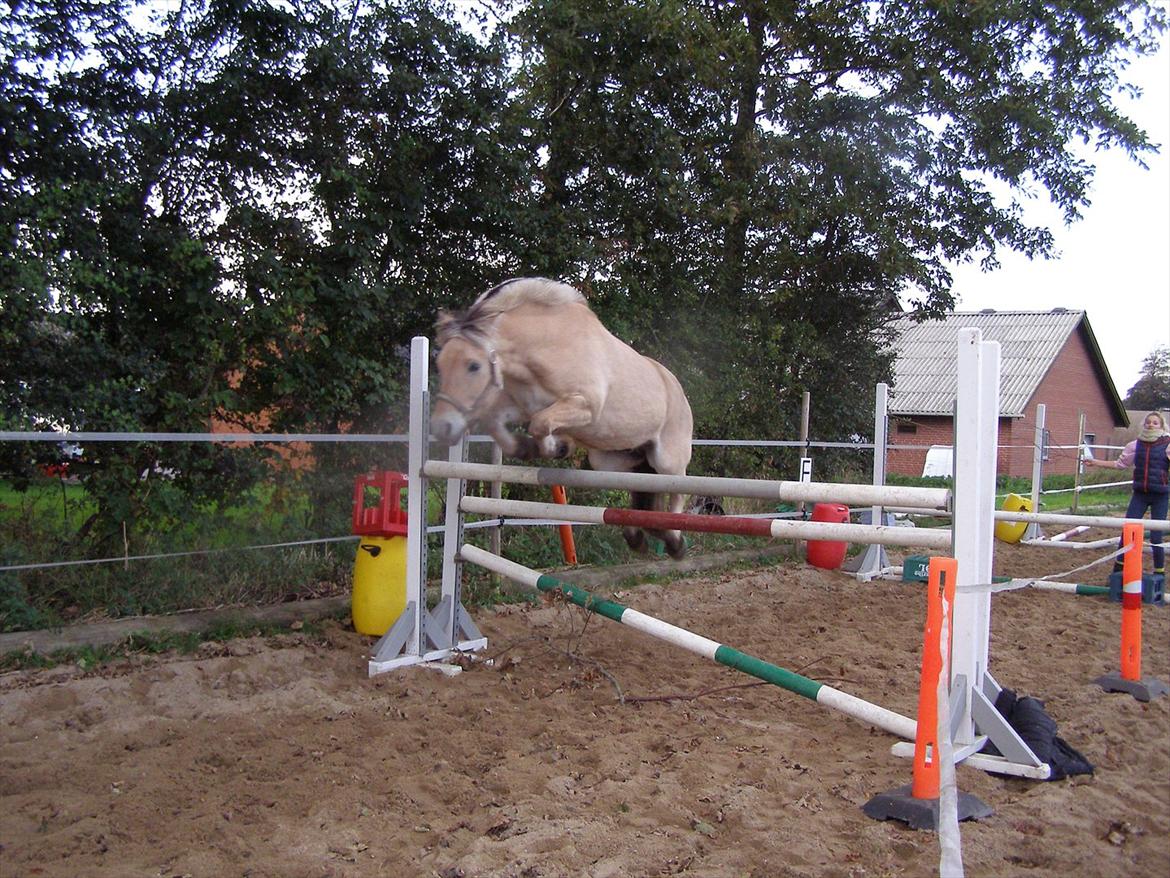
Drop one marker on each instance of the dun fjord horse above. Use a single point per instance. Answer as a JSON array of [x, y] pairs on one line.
[[530, 351]]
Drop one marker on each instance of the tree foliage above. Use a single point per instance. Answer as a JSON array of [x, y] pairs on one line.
[[1152, 389], [235, 210], [775, 175]]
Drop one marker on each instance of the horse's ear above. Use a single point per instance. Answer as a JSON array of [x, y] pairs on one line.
[[444, 327]]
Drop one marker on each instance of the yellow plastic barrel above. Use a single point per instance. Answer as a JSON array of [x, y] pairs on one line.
[[379, 584], [1012, 531]]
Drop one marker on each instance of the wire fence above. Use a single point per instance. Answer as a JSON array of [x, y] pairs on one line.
[[284, 535], [76, 438]]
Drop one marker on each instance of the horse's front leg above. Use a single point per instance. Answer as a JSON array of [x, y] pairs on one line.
[[520, 446], [497, 425], [566, 413]]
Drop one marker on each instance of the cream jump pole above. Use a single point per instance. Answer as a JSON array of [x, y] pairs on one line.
[[654, 483]]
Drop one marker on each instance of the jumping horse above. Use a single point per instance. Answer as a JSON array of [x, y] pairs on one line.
[[531, 351]]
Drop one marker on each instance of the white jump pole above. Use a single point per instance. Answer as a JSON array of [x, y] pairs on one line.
[[654, 483], [1089, 520], [874, 561], [1033, 532], [974, 504], [973, 690]]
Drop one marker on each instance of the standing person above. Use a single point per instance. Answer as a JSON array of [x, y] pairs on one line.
[[1149, 455]]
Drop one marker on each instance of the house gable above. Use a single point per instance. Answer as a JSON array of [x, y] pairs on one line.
[[1047, 357]]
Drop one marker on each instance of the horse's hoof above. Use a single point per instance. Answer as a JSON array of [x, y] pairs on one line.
[[676, 549], [555, 447], [527, 448], [636, 540]]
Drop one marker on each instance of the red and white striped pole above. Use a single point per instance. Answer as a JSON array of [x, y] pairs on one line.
[[1130, 679]]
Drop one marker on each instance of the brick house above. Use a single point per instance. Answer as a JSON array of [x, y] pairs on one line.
[[1048, 357]]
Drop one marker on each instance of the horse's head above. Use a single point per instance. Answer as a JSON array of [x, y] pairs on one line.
[[469, 383]]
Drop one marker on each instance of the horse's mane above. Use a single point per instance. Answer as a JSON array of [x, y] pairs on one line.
[[476, 323]]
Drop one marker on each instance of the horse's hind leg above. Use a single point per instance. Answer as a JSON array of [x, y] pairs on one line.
[[676, 546], [636, 537], [670, 462], [627, 462]]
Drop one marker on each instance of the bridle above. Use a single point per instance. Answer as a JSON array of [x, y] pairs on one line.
[[497, 382]]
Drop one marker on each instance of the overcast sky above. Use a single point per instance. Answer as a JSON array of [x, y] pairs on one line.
[[1115, 262]]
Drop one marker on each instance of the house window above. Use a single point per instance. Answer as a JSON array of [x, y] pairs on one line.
[[1046, 441], [907, 428], [1087, 448]]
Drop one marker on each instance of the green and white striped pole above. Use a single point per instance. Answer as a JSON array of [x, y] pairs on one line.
[[824, 695], [1066, 587]]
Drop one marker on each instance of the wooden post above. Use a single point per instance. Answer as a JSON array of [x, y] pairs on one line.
[[1080, 462]]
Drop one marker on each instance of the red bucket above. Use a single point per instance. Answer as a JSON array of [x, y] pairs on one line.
[[828, 554]]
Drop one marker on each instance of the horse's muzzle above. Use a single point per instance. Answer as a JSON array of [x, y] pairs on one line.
[[448, 428]]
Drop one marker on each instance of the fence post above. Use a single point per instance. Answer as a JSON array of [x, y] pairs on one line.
[[805, 405], [1033, 531], [1080, 462], [496, 493]]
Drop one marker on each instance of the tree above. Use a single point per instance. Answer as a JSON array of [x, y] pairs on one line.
[[112, 315], [1152, 389], [234, 211], [774, 175]]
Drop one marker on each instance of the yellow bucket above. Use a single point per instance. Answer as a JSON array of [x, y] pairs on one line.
[[379, 584], [1012, 531]]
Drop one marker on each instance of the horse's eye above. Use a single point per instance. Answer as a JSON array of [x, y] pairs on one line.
[[473, 366]]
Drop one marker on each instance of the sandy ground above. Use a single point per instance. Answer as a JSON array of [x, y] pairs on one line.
[[281, 758]]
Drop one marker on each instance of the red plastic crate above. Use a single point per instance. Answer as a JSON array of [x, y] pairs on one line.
[[387, 518]]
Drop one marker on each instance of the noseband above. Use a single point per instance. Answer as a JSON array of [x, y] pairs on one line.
[[496, 382]]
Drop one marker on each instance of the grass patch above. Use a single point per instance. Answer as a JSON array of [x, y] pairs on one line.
[[144, 644], [61, 595]]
